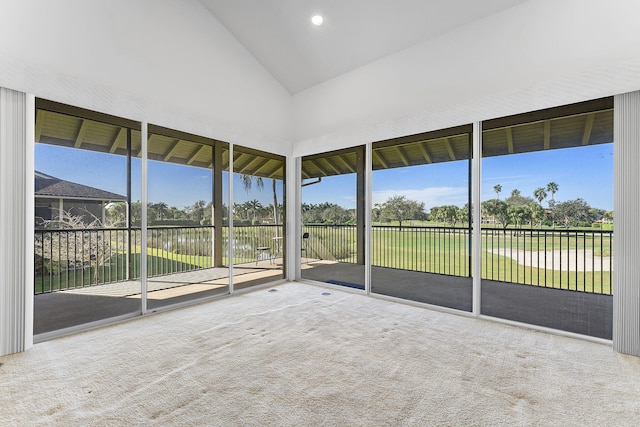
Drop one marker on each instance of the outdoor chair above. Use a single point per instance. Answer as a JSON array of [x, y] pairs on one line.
[[260, 250], [303, 247]]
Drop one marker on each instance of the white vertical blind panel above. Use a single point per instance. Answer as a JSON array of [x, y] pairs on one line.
[[626, 243], [14, 191]]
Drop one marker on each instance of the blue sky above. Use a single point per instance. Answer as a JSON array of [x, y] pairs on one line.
[[176, 185], [585, 172]]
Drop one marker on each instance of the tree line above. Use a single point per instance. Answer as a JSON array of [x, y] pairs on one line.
[[519, 210], [200, 213], [516, 210]]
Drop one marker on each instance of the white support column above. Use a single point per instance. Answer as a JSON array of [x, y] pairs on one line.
[[17, 119], [231, 216], [476, 248], [294, 200], [214, 170], [144, 170], [626, 208], [368, 166]]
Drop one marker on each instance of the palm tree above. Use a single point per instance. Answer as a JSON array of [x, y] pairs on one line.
[[552, 188], [275, 203], [497, 188], [540, 194], [254, 205], [247, 183], [536, 213], [161, 209]]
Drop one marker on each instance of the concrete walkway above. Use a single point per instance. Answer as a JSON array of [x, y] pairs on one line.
[[578, 312], [67, 309]]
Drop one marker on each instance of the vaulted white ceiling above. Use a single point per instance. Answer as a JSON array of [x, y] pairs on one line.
[[300, 55]]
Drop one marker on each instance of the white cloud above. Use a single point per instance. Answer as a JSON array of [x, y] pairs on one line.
[[430, 196]]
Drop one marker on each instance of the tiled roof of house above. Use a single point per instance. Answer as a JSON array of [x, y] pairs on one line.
[[50, 186]]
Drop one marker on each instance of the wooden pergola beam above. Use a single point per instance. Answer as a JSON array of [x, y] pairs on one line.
[[402, 155], [588, 127], [39, 124], [380, 159], [121, 135], [320, 168], [351, 166], [509, 140], [241, 167], [547, 134], [171, 150], [80, 134], [424, 152], [332, 167], [447, 144], [273, 173], [347, 165], [195, 154], [261, 165]]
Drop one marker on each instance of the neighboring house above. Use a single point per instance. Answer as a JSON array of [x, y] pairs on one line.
[[55, 197]]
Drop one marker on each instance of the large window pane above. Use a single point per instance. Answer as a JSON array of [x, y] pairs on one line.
[[547, 218], [181, 234], [333, 218], [86, 262], [421, 231], [258, 217]]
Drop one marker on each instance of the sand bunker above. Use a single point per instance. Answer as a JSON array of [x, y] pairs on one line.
[[557, 260]]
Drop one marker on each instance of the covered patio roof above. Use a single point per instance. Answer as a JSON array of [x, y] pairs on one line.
[[585, 123], [575, 125], [67, 126]]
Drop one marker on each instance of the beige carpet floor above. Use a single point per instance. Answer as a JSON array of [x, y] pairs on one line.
[[306, 356]]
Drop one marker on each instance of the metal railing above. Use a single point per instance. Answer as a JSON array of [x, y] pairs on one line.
[[331, 242], [579, 260], [76, 258], [441, 250], [248, 238], [66, 259]]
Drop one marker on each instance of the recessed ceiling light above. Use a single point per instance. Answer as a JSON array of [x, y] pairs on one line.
[[317, 19]]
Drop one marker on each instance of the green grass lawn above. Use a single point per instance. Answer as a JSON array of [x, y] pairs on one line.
[[441, 252]]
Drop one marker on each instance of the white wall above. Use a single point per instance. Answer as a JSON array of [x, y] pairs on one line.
[[168, 62], [542, 53]]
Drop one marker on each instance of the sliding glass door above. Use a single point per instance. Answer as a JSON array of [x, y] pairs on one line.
[[87, 220], [547, 218], [333, 194], [258, 217], [181, 220], [421, 220]]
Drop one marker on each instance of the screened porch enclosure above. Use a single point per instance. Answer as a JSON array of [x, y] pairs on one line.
[[555, 276], [93, 271]]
